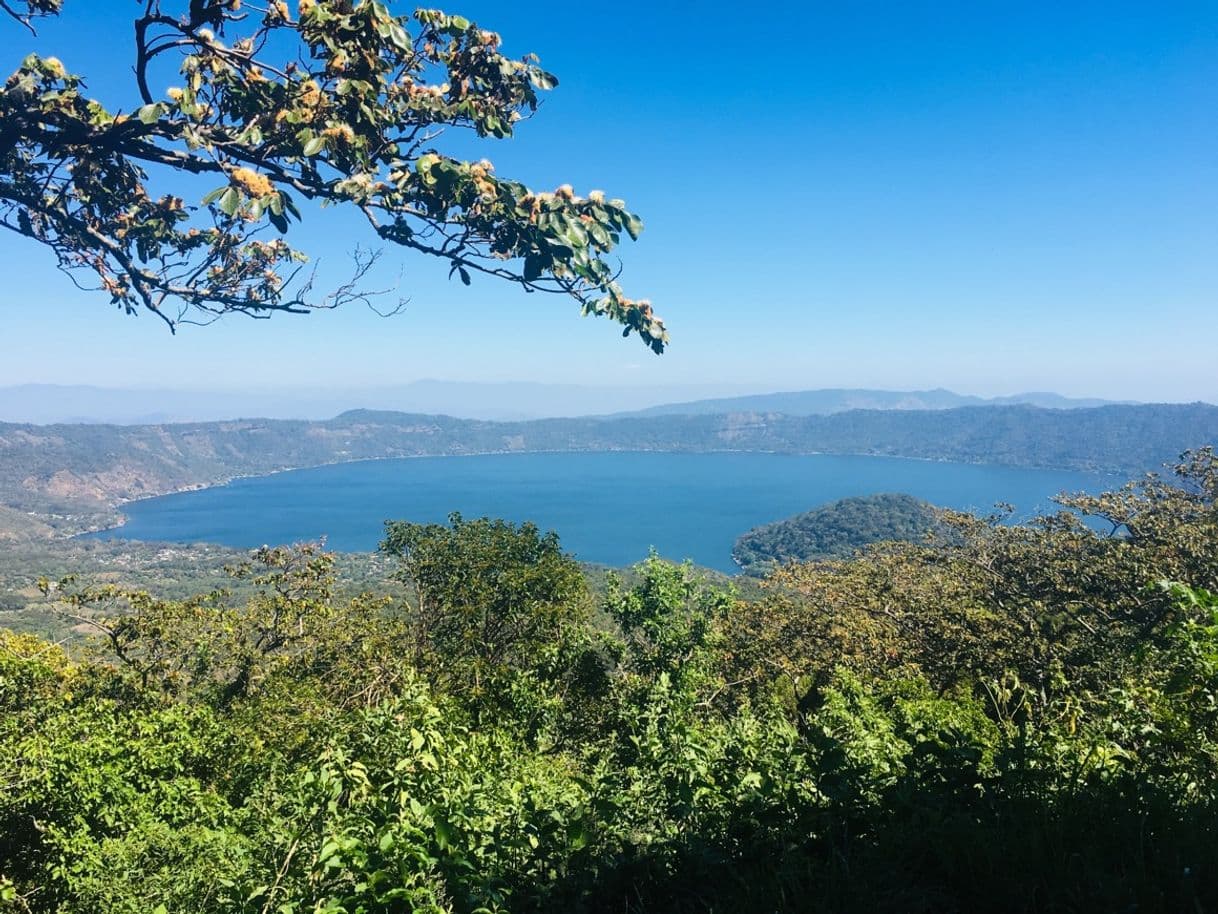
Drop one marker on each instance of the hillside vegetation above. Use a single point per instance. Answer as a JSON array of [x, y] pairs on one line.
[[836, 530], [1013, 719], [74, 476]]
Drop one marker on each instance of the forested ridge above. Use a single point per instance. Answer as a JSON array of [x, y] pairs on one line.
[[837, 530], [1016, 718], [85, 471]]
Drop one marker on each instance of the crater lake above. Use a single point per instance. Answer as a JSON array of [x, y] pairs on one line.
[[608, 508]]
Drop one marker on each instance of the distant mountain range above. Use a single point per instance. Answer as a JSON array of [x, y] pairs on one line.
[[46, 404], [71, 477], [840, 400]]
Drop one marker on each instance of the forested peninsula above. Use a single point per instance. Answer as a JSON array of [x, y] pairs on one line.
[[68, 478], [837, 530]]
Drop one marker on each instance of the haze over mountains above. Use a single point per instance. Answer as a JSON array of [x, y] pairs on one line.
[[513, 401], [508, 401], [837, 400]]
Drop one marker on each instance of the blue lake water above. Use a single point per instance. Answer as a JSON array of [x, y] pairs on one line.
[[606, 507]]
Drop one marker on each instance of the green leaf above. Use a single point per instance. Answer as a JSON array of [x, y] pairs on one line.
[[314, 146], [599, 235], [533, 265], [328, 850], [633, 226], [423, 167], [444, 833], [575, 233], [398, 37], [543, 80], [230, 200]]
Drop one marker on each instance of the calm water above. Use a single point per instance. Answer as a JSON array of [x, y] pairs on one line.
[[607, 508]]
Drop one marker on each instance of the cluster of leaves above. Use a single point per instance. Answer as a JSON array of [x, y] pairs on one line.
[[337, 102], [488, 597], [1023, 719]]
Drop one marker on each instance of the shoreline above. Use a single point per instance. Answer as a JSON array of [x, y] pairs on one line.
[[203, 486]]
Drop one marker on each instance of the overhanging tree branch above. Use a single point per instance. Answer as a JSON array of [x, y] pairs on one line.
[[349, 121]]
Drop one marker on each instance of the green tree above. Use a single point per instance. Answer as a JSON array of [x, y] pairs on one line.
[[1053, 600], [676, 792], [669, 621], [335, 102], [489, 596], [204, 647], [837, 531]]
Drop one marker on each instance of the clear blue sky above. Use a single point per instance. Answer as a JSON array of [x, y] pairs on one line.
[[987, 197]]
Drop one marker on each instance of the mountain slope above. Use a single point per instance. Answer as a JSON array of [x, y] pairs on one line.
[[47, 404], [835, 400], [81, 471]]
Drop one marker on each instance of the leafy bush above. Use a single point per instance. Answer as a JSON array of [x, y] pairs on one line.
[[1025, 720]]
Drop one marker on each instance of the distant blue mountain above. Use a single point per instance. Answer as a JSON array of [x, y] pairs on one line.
[[82, 404], [509, 401], [837, 400]]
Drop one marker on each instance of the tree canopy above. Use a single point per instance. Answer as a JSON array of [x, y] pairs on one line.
[[332, 101], [837, 530], [1011, 719]]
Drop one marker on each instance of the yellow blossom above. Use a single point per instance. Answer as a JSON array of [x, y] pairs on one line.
[[253, 183], [310, 94]]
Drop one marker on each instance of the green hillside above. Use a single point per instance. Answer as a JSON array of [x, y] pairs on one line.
[[836, 530], [74, 476]]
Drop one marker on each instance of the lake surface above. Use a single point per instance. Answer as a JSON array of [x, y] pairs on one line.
[[606, 507]]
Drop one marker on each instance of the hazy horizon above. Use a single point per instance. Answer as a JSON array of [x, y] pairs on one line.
[[497, 401]]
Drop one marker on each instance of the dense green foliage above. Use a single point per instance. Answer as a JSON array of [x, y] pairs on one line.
[[836, 530], [176, 572], [170, 571], [1022, 719], [74, 476], [488, 598]]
